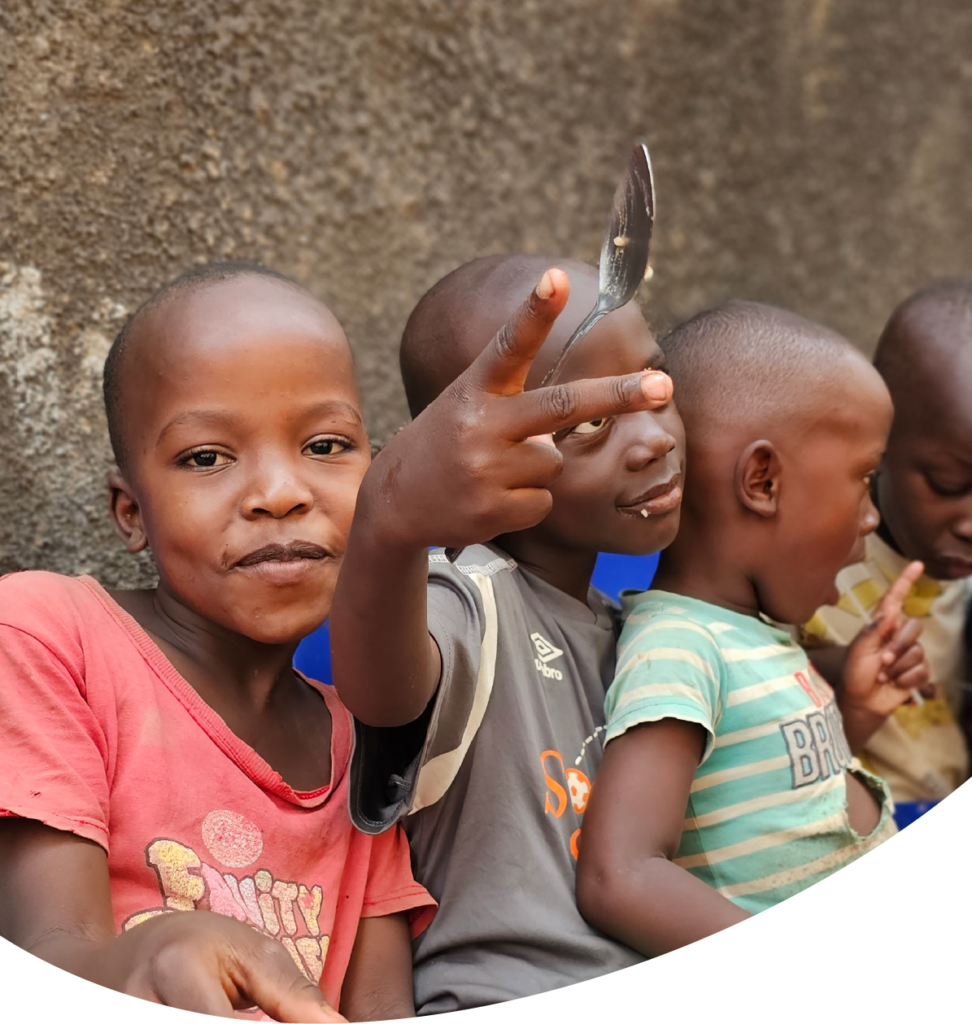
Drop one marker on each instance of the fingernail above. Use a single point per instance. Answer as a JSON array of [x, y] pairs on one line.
[[545, 287], [656, 385]]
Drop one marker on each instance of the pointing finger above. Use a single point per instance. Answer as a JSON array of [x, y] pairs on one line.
[[890, 606], [547, 410]]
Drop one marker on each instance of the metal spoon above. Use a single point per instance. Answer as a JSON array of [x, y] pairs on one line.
[[624, 256]]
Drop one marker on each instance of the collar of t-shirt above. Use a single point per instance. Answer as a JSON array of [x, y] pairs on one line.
[[752, 624], [597, 611]]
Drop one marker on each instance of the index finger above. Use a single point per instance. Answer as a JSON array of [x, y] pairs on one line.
[[549, 410], [891, 603], [502, 367]]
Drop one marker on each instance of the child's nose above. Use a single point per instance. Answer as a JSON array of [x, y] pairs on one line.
[[871, 518], [277, 491], [649, 441], [962, 526]]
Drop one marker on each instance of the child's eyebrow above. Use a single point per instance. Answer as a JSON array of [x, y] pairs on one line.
[[200, 418], [873, 458], [335, 405], [204, 418]]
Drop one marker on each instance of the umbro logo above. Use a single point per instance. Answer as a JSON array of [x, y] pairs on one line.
[[545, 648], [546, 652]]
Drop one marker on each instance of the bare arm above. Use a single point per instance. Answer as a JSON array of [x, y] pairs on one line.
[[627, 885], [381, 582], [378, 983], [463, 472], [55, 902]]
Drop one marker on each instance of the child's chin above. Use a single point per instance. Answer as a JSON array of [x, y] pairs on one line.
[[276, 630], [647, 541]]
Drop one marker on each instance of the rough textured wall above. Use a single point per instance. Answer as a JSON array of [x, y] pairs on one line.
[[807, 152]]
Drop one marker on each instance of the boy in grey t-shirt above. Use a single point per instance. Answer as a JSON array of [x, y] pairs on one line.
[[481, 684]]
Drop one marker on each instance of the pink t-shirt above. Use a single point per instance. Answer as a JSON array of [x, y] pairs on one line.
[[103, 738]]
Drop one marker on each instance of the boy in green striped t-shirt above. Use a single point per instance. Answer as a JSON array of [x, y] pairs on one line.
[[728, 781]]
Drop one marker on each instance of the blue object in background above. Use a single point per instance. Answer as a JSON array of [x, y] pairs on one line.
[[313, 655], [612, 574], [906, 813]]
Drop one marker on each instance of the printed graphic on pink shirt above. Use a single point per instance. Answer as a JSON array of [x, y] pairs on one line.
[[285, 910]]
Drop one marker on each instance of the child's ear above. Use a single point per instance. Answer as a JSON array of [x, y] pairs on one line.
[[757, 479], [126, 516]]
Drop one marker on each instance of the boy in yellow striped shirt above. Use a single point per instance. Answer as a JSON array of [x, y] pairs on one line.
[[924, 492]]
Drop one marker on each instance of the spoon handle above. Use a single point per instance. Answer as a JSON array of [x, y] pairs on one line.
[[582, 328], [553, 373]]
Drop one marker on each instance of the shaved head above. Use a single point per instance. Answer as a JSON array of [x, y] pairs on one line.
[[459, 315], [137, 333], [749, 364], [926, 347]]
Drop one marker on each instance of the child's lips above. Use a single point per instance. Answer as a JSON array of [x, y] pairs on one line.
[[283, 573], [664, 497], [284, 564]]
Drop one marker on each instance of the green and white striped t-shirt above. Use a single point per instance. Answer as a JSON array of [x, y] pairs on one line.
[[767, 812]]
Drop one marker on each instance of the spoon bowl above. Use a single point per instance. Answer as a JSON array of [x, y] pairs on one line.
[[624, 256], [624, 253]]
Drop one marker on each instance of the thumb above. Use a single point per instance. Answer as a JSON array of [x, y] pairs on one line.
[[283, 993]]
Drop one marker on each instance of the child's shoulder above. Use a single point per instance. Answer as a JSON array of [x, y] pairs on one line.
[[475, 560], [34, 600], [656, 612]]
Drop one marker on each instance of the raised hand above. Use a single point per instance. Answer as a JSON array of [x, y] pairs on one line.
[[886, 663], [477, 462]]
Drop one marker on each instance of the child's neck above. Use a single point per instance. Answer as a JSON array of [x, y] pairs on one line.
[[694, 571], [218, 663], [567, 569], [250, 685]]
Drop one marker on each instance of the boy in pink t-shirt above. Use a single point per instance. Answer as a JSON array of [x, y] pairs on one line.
[[160, 754]]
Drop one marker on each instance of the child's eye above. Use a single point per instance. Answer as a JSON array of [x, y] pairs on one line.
[[590, 427], [948, 488], [327, 446], [204, 458]]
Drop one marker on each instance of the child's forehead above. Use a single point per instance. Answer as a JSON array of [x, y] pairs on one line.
[[929, 375], [621, 343], [248, 340], [219, 314]]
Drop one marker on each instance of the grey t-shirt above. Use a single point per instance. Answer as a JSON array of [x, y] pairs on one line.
[[493, 803]]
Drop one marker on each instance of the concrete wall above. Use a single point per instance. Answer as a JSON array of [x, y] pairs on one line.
[[808, 152]]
